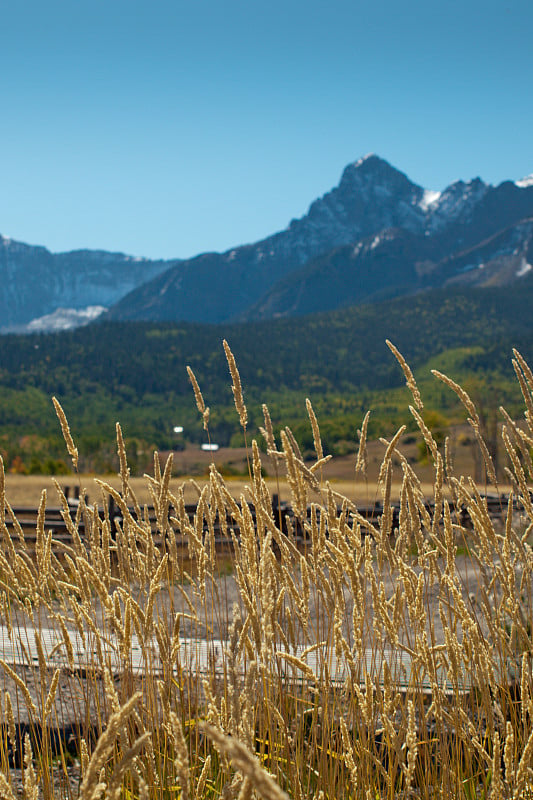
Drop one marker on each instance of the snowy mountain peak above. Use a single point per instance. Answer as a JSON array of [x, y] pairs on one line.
[[368, 157], [373, 168]]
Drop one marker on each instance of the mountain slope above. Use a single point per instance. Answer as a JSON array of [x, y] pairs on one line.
[[376, 268], [396, 262]]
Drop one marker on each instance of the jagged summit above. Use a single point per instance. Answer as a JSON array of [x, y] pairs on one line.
[[456, 202], [376, 169], [368, 157], [367, 164]]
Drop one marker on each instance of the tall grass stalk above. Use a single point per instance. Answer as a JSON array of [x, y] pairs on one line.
[[337, 657]]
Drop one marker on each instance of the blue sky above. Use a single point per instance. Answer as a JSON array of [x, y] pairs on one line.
[[166, 128]]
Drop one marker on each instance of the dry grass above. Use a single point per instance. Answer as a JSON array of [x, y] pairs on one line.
[[25, 490], [307, 698]]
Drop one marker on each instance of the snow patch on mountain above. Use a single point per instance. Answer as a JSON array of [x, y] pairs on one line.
[[523, 269], [525, 183], [429, 198], [361, 161], [64, 319]]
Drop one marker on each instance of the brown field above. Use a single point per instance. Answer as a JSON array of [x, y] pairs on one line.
[[25, 490]]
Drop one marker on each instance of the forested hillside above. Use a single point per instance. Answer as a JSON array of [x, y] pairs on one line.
[[136, 372]]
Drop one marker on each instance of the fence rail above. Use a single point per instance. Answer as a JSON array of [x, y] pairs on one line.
[[26, 518]]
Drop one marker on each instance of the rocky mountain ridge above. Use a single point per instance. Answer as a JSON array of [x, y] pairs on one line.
[[375, 235]]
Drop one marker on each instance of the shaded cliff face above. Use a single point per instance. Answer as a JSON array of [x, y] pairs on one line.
[[375, 235], [35, 282]]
